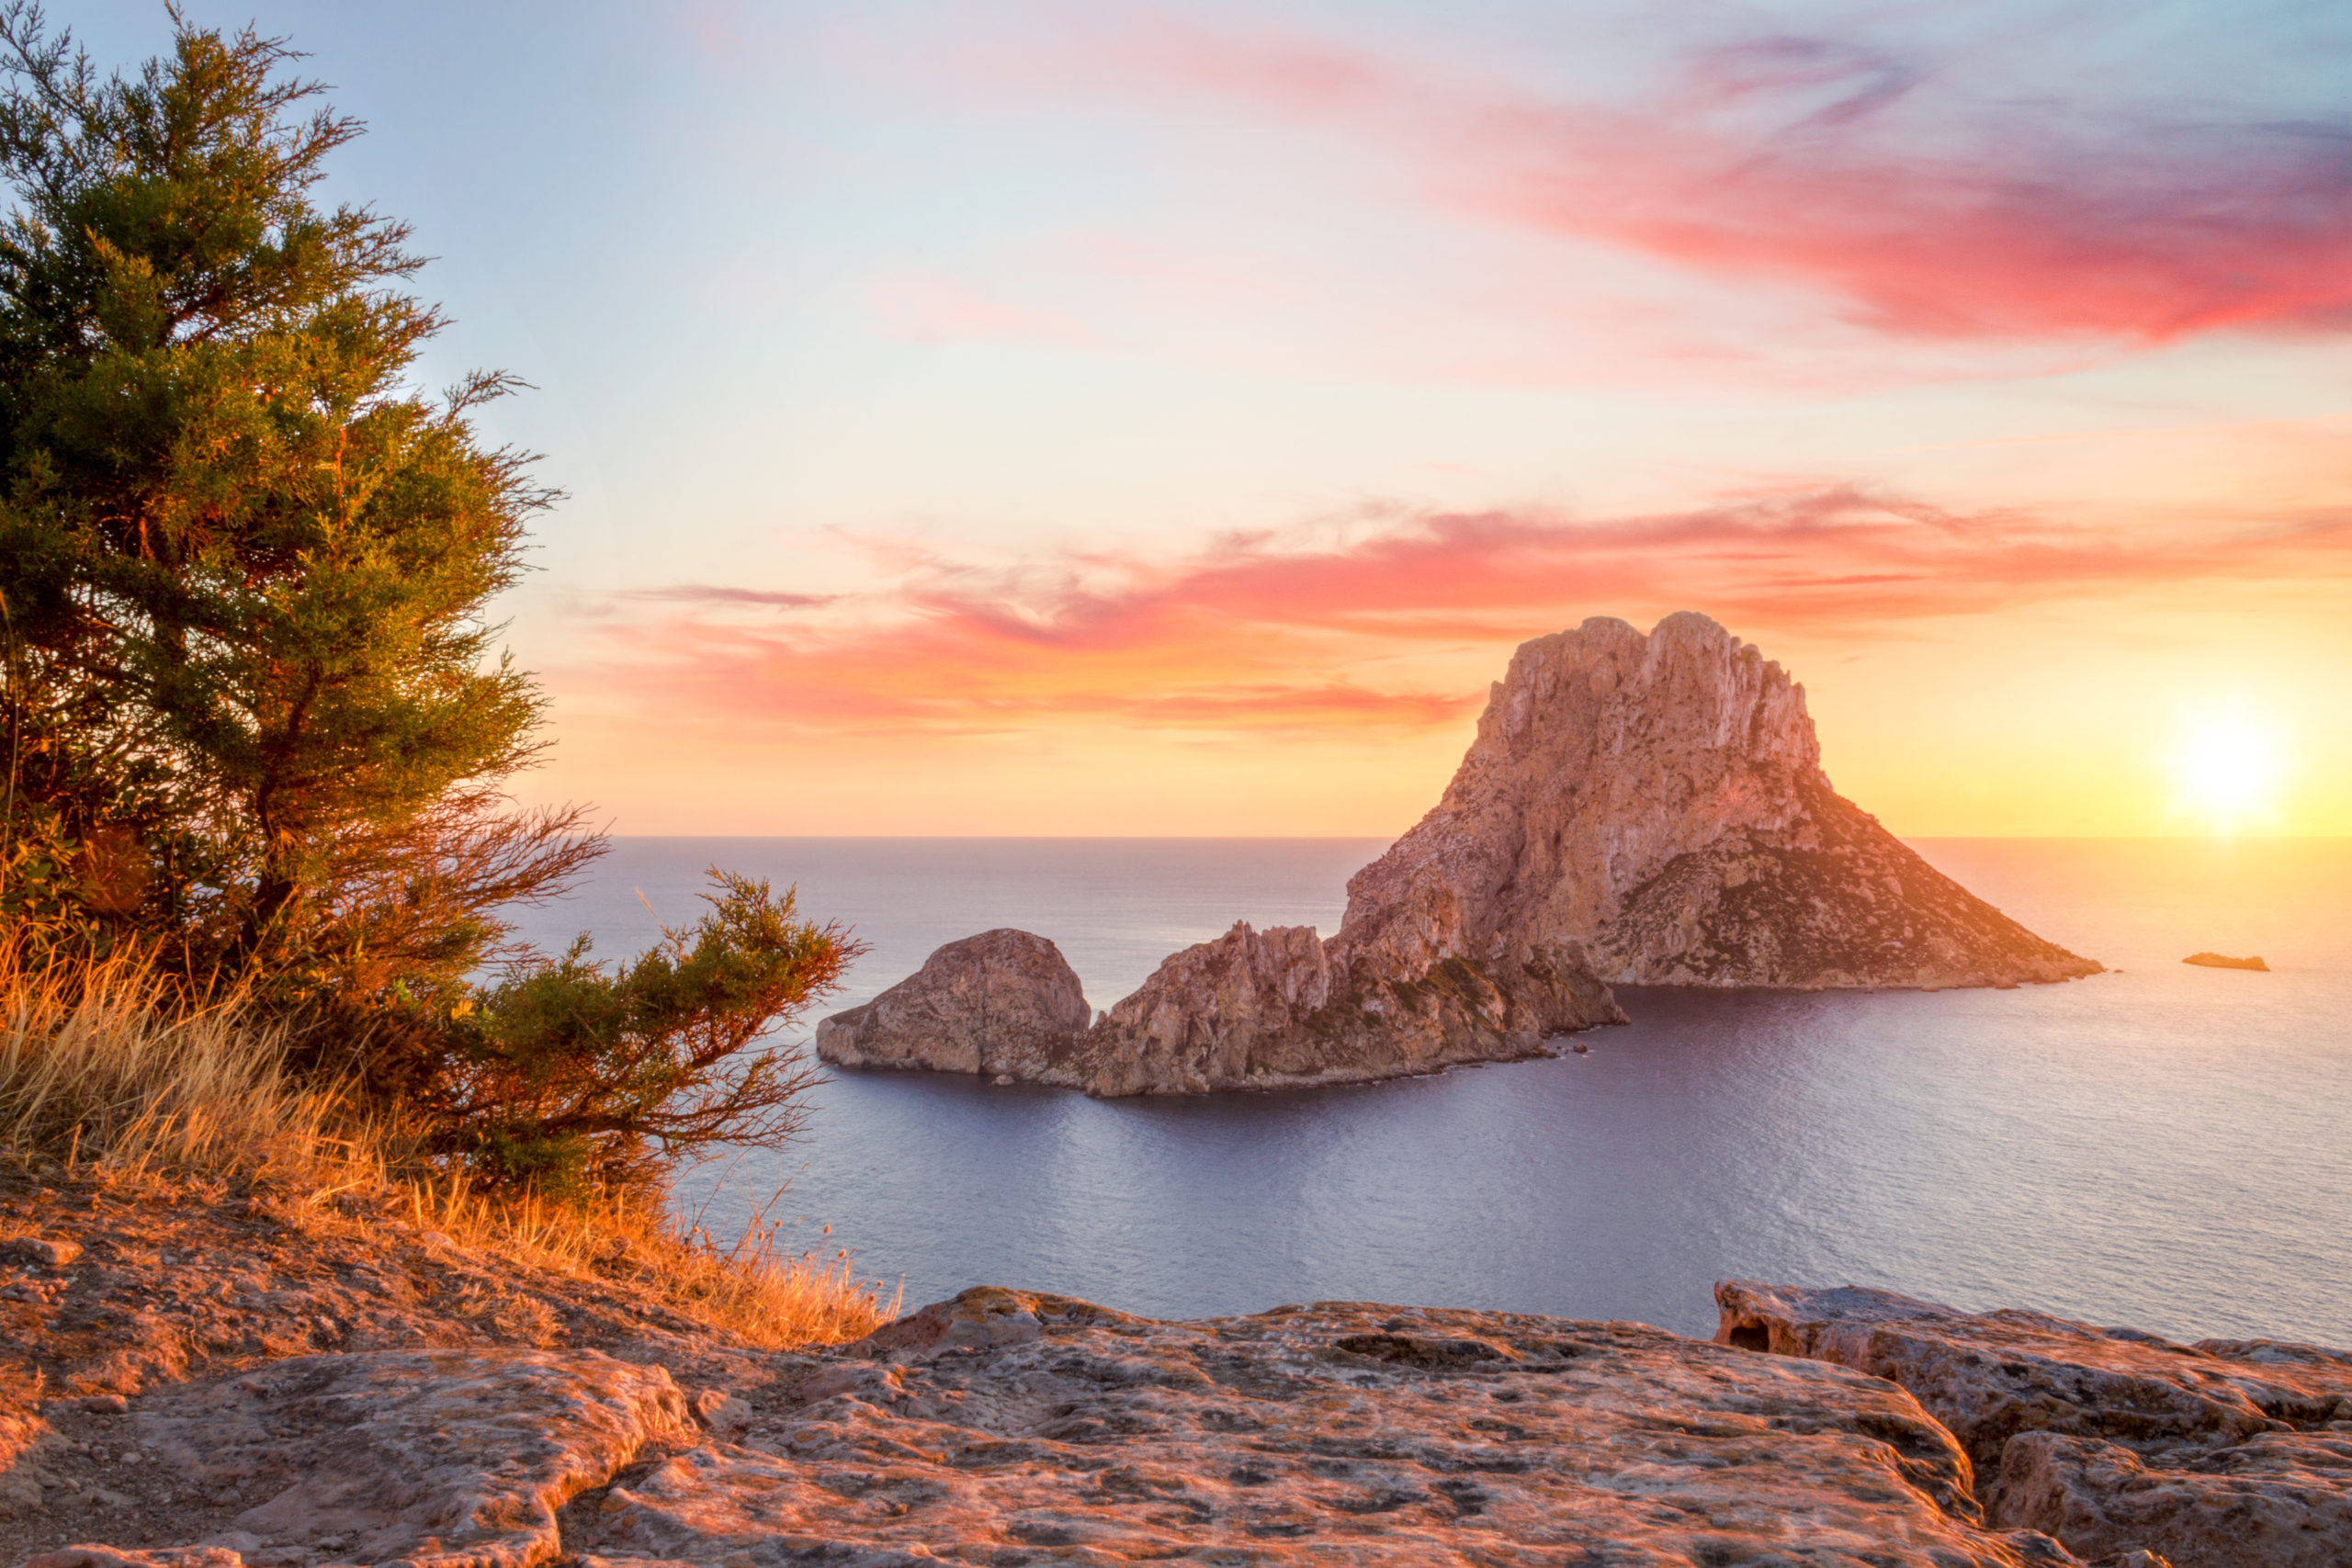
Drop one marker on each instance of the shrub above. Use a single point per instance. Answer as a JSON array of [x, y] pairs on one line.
[[569, 1077], [105, 1076]]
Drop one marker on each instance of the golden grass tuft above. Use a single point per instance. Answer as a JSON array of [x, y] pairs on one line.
[[101, 1073], [757, 1289], [97, 1067]]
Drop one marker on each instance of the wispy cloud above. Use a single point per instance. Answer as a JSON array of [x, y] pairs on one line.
[[1819, 163], [721, 594], [1336, 630]]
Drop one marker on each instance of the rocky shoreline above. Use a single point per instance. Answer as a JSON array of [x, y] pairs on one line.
[[1646, 810]]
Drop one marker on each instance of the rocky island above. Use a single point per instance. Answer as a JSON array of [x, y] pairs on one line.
[[1648, 810], [296, 1390], [2219, 961]]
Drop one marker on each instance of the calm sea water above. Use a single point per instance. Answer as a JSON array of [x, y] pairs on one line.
[[2168, 1147]]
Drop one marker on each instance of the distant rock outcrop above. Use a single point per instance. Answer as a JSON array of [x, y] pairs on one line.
[[1644, 809], [1660, 801], [1280, 1009], [1003, 1002], [2215, 961], [2220, 1454]]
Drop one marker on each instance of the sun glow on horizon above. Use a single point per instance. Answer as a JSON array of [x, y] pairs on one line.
[[2227, 765]]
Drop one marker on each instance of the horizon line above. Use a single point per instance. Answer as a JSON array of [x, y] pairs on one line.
[[2215, 840]]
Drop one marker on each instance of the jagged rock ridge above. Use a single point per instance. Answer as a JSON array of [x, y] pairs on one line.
[[1274, 1008], [1279, 1008]]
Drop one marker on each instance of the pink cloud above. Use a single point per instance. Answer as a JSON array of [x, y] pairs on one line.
[[1808, 164], [1258, 632], [723, 594]]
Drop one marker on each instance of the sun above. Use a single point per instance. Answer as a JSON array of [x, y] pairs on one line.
[[2227, 765]]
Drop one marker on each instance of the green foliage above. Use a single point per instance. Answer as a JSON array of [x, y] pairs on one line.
[[259, 732], [253, 708], [568, 1076]]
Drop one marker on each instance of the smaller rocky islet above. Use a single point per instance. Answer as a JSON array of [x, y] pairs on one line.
[[1638, 809]]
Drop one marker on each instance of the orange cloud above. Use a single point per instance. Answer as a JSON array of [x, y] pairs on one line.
[[1261, 632]]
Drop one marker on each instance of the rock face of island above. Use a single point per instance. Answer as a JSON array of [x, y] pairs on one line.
[[1643, 809], [2217, 961], [1660, 801], [1282, 1009], [1003, 1002], [1275, 1009]]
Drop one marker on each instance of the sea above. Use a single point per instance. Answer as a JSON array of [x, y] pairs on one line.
[[2161, 1147]]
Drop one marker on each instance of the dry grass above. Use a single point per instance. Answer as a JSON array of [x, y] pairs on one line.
[[96, 1068], [99, 1073], [757, 1289]]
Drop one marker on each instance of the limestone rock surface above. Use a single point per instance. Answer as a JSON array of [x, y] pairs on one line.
[[1003, 1002], [1004, 1426], [174, 1287], [2216, 1454], [1659, 800], [455, 1459]]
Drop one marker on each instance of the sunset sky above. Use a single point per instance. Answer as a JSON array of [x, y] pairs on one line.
[[1109, 418]]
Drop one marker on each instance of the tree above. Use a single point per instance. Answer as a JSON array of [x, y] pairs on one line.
[[254, 718], [252, 703]]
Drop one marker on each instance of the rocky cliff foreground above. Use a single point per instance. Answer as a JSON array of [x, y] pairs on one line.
[[1644, 809], [253, 1393], [2228, 1453]]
